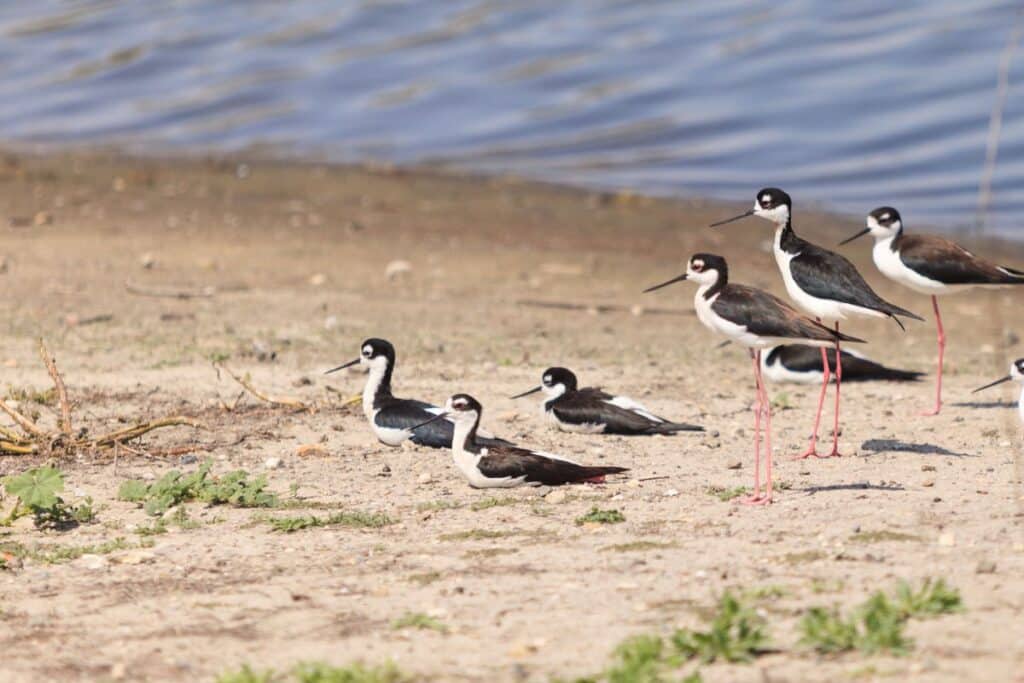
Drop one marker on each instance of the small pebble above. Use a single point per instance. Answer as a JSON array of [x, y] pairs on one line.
[[557, 496], [735, 465], [272, 463], [985, 567]]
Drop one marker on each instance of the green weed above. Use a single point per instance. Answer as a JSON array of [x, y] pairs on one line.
[[933, 598], [35, 492], [419, 621], [599, 516], [234, 488], [488, 503], [726, 494], [735, 634], [357, 519]]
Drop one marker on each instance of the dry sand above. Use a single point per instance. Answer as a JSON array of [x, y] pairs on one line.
[[297, 256]]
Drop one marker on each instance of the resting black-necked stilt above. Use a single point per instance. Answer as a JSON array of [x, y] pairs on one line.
[[501, 466], [930, 265], [800, 364], [1016, 374], [755, 319], [822, 283], [592, 411], [392, 419]]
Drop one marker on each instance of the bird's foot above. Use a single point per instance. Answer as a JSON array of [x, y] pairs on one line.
[[812, 451], [756, 499], [931, 413]]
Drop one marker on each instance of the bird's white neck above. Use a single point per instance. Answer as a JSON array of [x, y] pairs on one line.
[[373, 382]]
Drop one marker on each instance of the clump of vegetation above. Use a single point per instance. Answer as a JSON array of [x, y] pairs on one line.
[[59, 554], [493, 502], [477, 535], [419, 621], [877, 625], [724, 493], [933, 598], [882, 536], [316, 672], [234, 488], [599, 516], [735, 634], [434, 505], [180, 518], [35, 492], [637, 546], [356, 519]]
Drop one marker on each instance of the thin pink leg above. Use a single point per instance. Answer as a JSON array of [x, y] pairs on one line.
[[764, 405], [942, 354], [812, 448], [839, 384]]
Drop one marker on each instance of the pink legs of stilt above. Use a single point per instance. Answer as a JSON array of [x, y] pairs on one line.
[[761, 406], [942, 354], [812, 448], [839, 384]]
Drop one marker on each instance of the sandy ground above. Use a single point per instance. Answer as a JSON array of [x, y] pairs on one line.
[[296, 259]]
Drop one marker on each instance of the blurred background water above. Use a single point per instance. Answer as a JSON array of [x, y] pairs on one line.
[[846, 104]]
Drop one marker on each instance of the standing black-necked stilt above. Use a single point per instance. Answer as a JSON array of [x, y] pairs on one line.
[[592, 411], [800, 364], [755, 319], [392, 419], [930, 265], [501, 466], [822, 283], [1016, 374]]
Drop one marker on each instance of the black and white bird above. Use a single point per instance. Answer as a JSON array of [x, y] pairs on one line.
[[758, 320], [1017, 375], [592, 411], [798, 364], [392, 419], [501, 466], [930, 265], [823, 284]]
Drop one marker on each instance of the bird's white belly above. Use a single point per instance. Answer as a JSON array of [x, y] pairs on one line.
[[783, 375], [388, 435], [735, 332], [585, 428], [889, 262], [466, 462]]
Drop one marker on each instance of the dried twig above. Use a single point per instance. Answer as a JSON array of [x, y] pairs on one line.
[[285, 401], [17, 448], [28, 425], [135, 431], [58, 383], [167, 293]]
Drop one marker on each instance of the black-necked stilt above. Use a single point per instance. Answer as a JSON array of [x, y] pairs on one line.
[[1016, 374], [755, 319], [930, 265], [823, 284], [800, 364], [592, 411], [502, 466], [392, 419]]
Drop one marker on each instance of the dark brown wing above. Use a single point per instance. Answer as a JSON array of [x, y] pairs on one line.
[[591, 407], [939, 259], [767, 315], [533, 467]]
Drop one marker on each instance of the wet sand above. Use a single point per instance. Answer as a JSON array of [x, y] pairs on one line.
[[290, 263]]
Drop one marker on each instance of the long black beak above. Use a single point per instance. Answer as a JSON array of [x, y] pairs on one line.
[[666, 284], [734, 218], [859, 234], [342, 367], [527, 393], [433, 419], [992, 384]]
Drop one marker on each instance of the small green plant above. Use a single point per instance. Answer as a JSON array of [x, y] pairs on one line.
[[353, 673], [638, 660], [726, 494], [477, 535], [735, 634], [35, 491], [357, 519], [599, 516], [933, 598], [234, 488], [436, 505], [419, 621], [876, 626], [493, 502], [246, 674]]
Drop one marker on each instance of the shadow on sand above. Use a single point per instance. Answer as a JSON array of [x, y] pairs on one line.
[[983, 405], [897, 446], [861, 486]]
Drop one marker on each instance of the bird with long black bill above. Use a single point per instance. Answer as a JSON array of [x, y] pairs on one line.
[[822, 283], [757, 320], [799, 364], [394, 420], [501, 466], [930, 265], [590, 410], [1016, 375]]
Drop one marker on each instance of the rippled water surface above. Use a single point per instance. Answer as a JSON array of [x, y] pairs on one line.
[[848, 104]]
